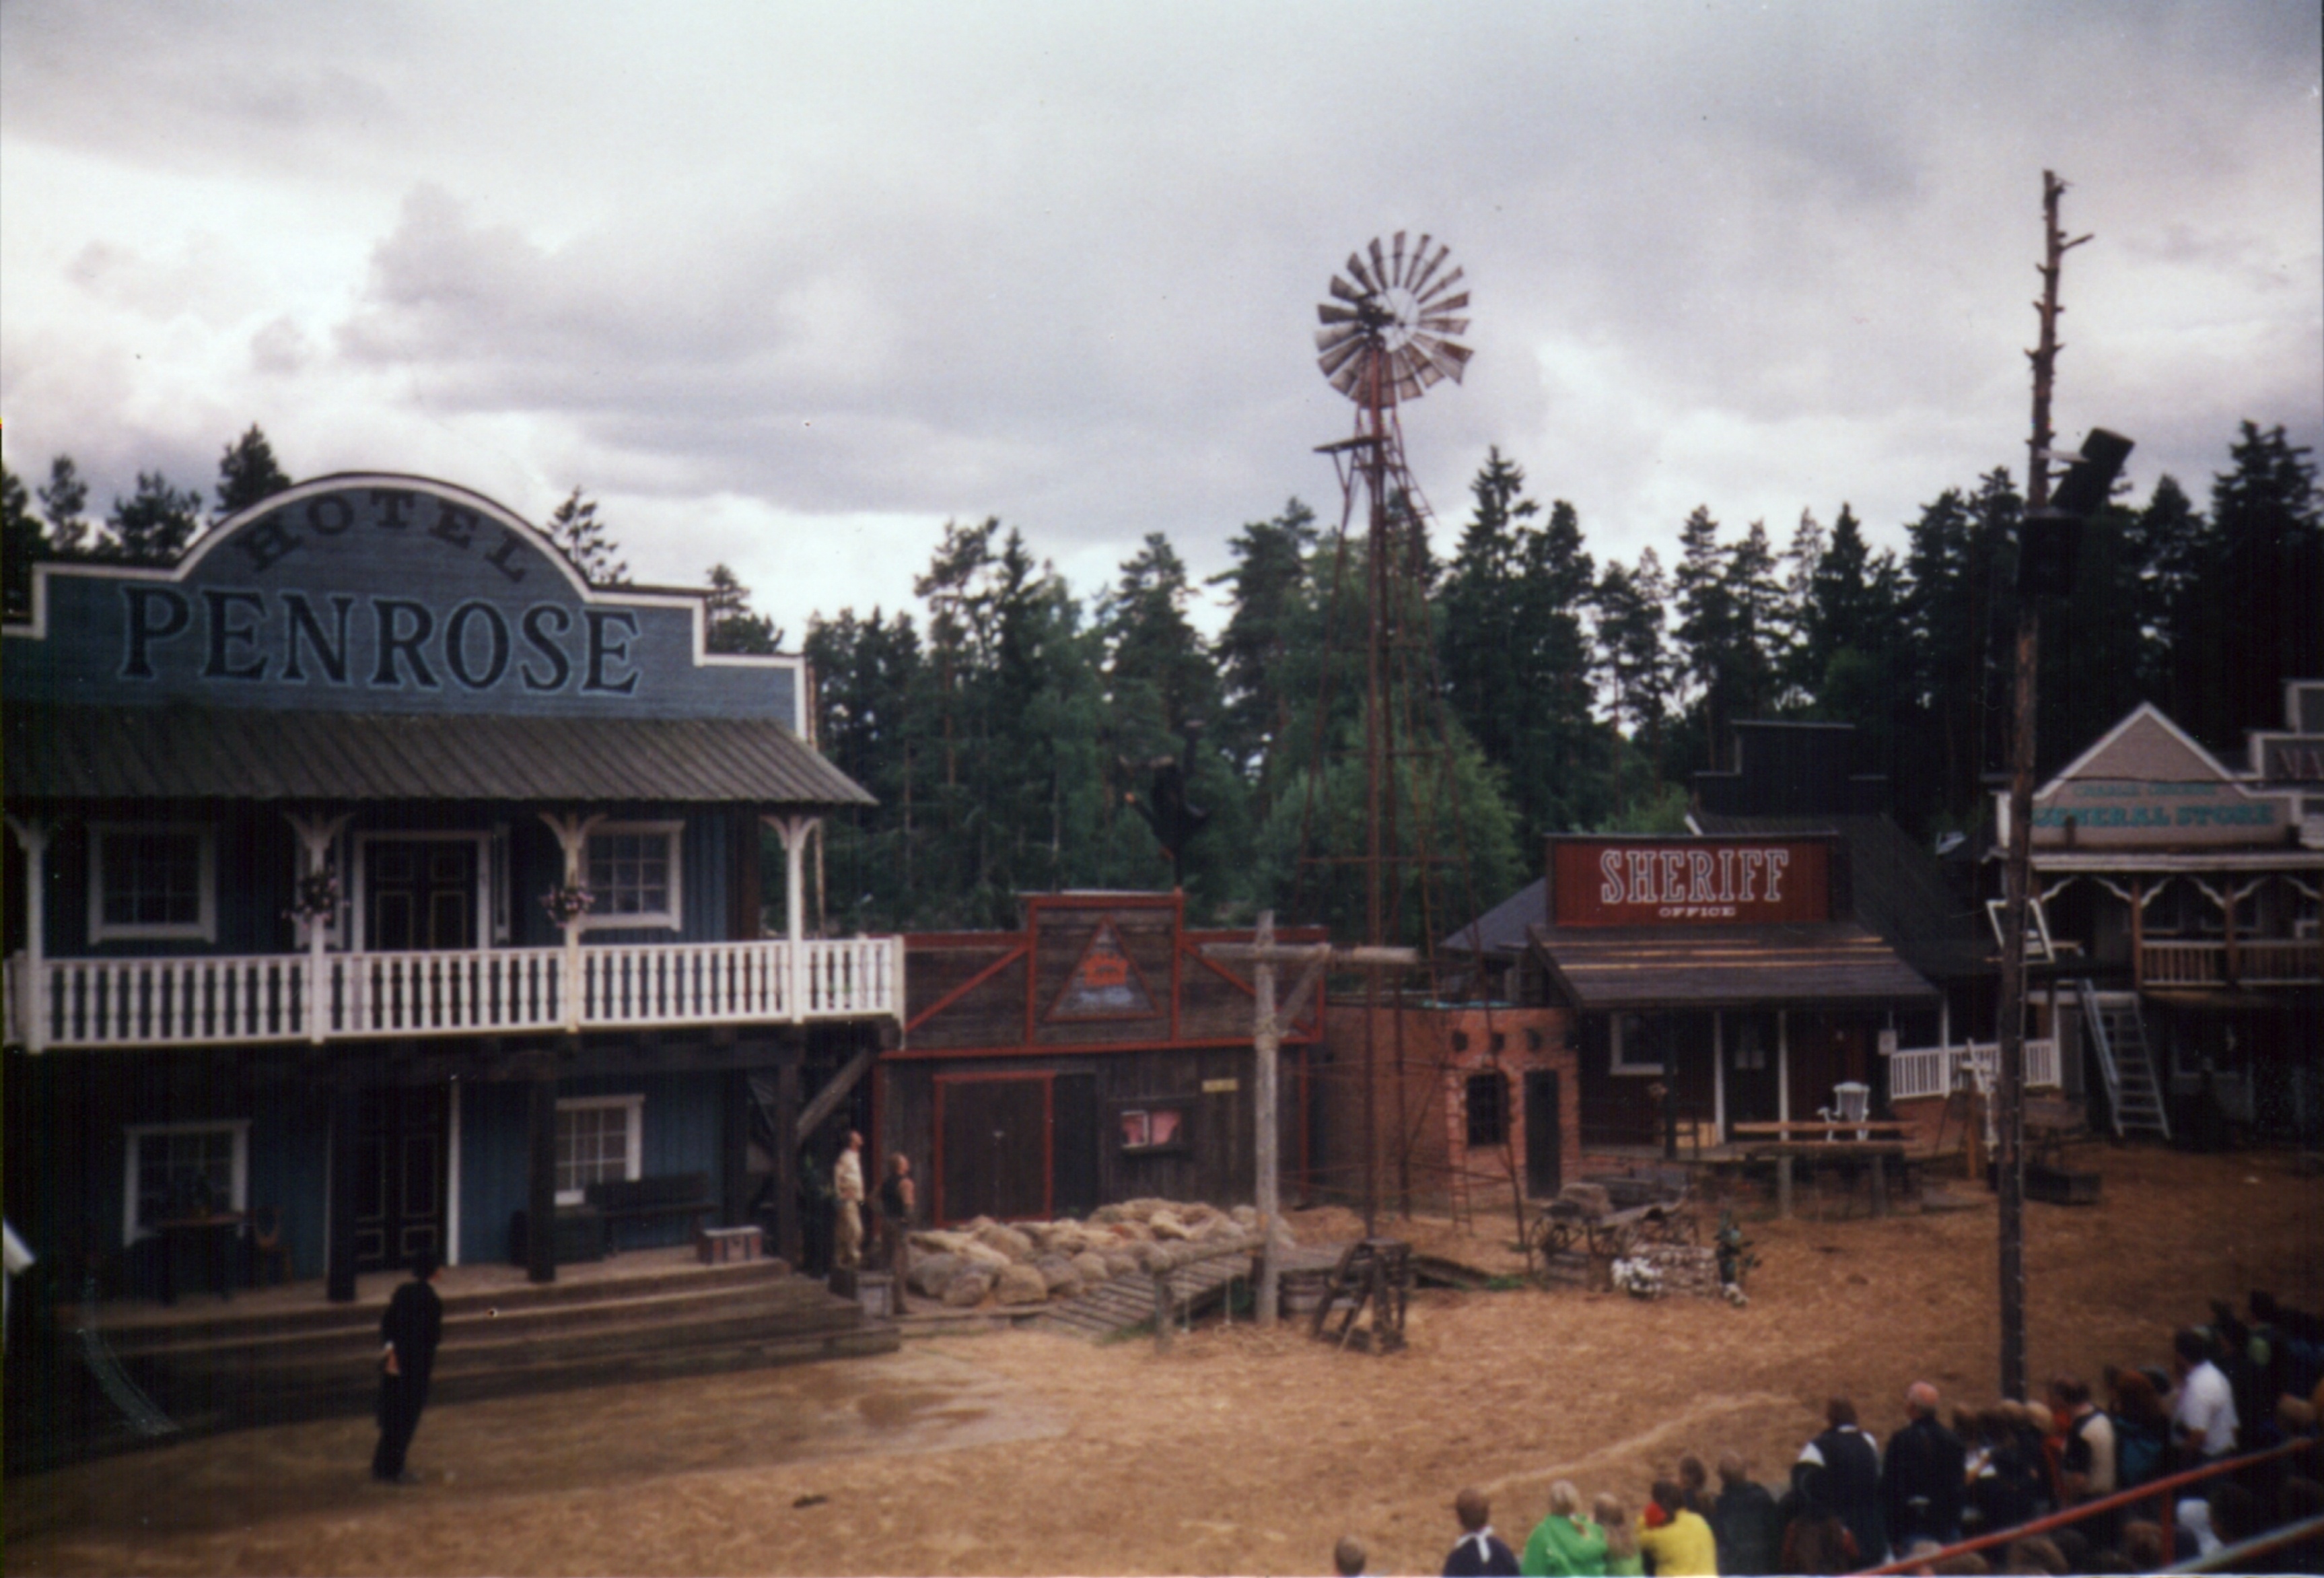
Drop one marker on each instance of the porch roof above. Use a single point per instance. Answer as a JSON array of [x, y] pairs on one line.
[[1604, 968], [149, 753]]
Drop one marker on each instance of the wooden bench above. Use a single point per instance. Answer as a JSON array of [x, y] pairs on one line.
[[682, 1196]]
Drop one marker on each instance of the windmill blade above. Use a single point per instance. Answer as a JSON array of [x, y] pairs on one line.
[[1419, 281], [1356, 267], [1334, 357], [1327, 313], [1428, 296], [1441, 326], [1397, 277], [1343, 292], [1452, 358], [1379, 264], [1332, 339], [1454, 303], [1346, 379]]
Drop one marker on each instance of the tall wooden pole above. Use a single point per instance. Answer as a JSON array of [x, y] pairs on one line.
[[2009, 1087], [1267, 1045], [1375, 765]]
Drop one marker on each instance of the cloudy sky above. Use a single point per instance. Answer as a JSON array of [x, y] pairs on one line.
[[788, 284]]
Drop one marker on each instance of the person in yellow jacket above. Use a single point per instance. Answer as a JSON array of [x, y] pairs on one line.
[[1679, 1543]]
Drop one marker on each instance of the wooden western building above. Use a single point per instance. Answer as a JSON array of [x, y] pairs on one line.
[[1094, 1055], [1708, 980], [376, 884], [2182, 907]]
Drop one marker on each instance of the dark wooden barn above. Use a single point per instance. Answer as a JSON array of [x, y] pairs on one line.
[[1095, 1054]]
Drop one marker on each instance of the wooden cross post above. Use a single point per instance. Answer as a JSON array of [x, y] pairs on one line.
[[1269, 1026]]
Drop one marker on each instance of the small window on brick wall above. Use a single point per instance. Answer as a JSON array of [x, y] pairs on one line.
[[1489, 1109]]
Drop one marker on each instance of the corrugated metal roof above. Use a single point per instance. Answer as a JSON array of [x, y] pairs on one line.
[[130, 753], [1602, 968], [1502, 929]]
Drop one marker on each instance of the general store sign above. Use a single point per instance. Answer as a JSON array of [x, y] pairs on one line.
[[381, 594], [1689, 882], [2114, 814]]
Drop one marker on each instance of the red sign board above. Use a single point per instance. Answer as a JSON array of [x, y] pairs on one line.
[[1689, 882]]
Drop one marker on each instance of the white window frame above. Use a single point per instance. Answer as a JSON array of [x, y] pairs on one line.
[[1616, 1062], [239, 1193], [672, 835], [202, 929], [633, 1162]]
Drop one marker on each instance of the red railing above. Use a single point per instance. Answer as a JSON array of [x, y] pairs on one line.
[[2165, 1487]]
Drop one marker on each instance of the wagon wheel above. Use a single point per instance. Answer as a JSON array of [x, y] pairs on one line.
[[1610, 1241]]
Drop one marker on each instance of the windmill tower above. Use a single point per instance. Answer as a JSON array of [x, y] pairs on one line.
[[1388, 335]]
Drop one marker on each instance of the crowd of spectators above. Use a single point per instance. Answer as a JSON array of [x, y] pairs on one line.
[[2236, 1385]]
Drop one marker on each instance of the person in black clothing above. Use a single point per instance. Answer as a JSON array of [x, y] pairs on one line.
[[1850, 1485], [1922, 1481], [1743, 1521], [410, 1330], [1480, 1553]]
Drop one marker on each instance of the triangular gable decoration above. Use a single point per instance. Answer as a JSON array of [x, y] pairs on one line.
[[1104, 984]]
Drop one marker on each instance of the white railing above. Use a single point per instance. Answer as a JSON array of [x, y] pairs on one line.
[[1930, 1071], [2252, 962], [184, 1000]]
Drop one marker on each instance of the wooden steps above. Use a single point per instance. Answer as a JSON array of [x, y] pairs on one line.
[[215, 1371], [1124, 1303]]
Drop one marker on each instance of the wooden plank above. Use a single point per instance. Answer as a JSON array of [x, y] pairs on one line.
[[1817, 1126]]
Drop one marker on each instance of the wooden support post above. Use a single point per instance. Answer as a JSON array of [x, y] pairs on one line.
[[347, 1185], [540, 1178], [734, 1135], [1267, 1049], [788, 1242]]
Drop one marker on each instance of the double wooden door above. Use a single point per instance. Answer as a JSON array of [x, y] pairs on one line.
[[401, 1151]]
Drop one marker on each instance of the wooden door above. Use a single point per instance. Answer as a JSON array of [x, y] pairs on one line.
[[1545, 1121], [400, 1155], [419, 894], [1750, 1045], [995, 1134], [1077, 1133]]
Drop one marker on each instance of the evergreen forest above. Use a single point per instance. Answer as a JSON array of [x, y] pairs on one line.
[[1022, 736]]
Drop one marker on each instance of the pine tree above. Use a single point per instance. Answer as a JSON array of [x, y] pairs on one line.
[[153, 525], [733, 626], [575, 531], [22, 541], [1632, 607], [63, 499], [247, 475], [1268, 590]]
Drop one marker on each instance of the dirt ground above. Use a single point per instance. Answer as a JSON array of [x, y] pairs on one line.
[[1238, 1451]]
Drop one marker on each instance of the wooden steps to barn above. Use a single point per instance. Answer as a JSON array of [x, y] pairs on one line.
[[1123, 1304], [219, 1365]]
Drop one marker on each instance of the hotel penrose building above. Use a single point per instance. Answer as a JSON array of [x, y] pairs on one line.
[[376, 884]]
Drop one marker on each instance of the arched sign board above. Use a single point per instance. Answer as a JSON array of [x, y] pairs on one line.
[[381, 594]]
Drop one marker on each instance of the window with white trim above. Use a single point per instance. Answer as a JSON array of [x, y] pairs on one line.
[[1634, 1043], [177, 1170], [599, 1139], [149, 880], [632, 871]]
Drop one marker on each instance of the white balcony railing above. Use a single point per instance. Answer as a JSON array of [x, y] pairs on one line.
[[1930, 1071], [281, 997]]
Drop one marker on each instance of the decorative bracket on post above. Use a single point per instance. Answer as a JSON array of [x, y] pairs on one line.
[[30, 995], [319, 899], [569, 902], [794, 831]]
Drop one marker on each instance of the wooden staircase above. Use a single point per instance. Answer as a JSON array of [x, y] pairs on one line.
[[233, 1368], [2117, 1029]]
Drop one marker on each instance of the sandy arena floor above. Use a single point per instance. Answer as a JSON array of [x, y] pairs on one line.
[[1237, 1452]]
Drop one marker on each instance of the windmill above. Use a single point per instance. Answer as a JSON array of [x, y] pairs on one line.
[[1389, 334]]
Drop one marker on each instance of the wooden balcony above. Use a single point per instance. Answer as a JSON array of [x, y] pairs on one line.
[[2167, 964], [212, 1001], [1920, 1072]]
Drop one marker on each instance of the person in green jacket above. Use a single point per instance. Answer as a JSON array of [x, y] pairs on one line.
[[1622, 1557], [1565, 1543]]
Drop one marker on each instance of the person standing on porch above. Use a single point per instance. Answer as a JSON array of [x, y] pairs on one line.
[[896, 1199], [847, 1184], [410, 1330]]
